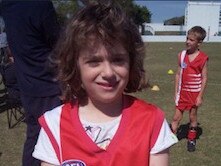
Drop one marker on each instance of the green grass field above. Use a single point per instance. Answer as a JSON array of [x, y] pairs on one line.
[[159, 59]]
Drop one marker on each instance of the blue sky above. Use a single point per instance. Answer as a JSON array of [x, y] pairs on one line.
[[163, 10]]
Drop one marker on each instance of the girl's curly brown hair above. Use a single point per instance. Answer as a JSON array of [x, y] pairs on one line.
[[110, 25]]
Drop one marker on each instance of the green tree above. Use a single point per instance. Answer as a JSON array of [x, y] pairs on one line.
[[141, 15], [66, 9]]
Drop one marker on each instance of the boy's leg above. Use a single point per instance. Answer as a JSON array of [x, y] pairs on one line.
[[177, 117], [191, 144], [193, 117]]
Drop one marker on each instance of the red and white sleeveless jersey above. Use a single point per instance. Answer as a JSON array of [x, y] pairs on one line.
[[190, 81], [136, 135]]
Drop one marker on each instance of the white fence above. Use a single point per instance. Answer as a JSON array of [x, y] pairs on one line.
[[162, 27], [164, 38]]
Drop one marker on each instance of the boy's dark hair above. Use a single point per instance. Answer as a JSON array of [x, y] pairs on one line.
[[110, 25], [199, 32]]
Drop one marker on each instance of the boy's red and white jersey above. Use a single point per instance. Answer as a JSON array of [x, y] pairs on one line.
[[192, 73], [191, 78], [140, 127]]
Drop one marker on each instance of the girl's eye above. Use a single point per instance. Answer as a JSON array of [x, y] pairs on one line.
[[93, 62], [119, 61]]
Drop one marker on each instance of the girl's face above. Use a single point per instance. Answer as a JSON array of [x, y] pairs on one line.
[[192, 43], [104, 73]]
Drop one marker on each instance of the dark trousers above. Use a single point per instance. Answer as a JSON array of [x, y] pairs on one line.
[[34, 107]]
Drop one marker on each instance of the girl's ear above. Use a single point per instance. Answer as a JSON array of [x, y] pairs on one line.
[[200, 42], [82, 86]]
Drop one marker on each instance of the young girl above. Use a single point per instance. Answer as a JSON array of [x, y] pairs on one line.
[[100, 60]]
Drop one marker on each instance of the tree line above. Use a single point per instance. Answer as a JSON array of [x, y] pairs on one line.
[[66, 9], [140, 14]]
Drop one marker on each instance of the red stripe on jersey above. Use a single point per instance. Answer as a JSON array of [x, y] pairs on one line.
[[54, 143]]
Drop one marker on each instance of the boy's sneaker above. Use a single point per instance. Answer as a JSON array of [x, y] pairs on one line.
[[191, 145]]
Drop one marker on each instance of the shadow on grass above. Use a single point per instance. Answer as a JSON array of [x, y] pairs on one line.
[[182, 131]]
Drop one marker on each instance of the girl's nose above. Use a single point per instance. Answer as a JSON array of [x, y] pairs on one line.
[[108, 71]]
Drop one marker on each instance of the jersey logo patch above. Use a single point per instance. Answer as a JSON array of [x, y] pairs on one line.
[[183, 65], [73, 163]]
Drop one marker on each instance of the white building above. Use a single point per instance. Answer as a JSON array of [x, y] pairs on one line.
[[197, 13], [204, 14]]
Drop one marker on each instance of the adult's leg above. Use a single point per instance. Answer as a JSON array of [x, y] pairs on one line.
[[178, 115], [34, 107]]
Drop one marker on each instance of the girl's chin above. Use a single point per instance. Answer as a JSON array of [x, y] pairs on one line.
[[109, 99]]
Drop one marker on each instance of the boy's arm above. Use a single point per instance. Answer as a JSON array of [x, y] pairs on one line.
[[177, 77], [199, 98], [161, 158]]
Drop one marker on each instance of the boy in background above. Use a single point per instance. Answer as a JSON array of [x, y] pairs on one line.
[[190, 83]]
